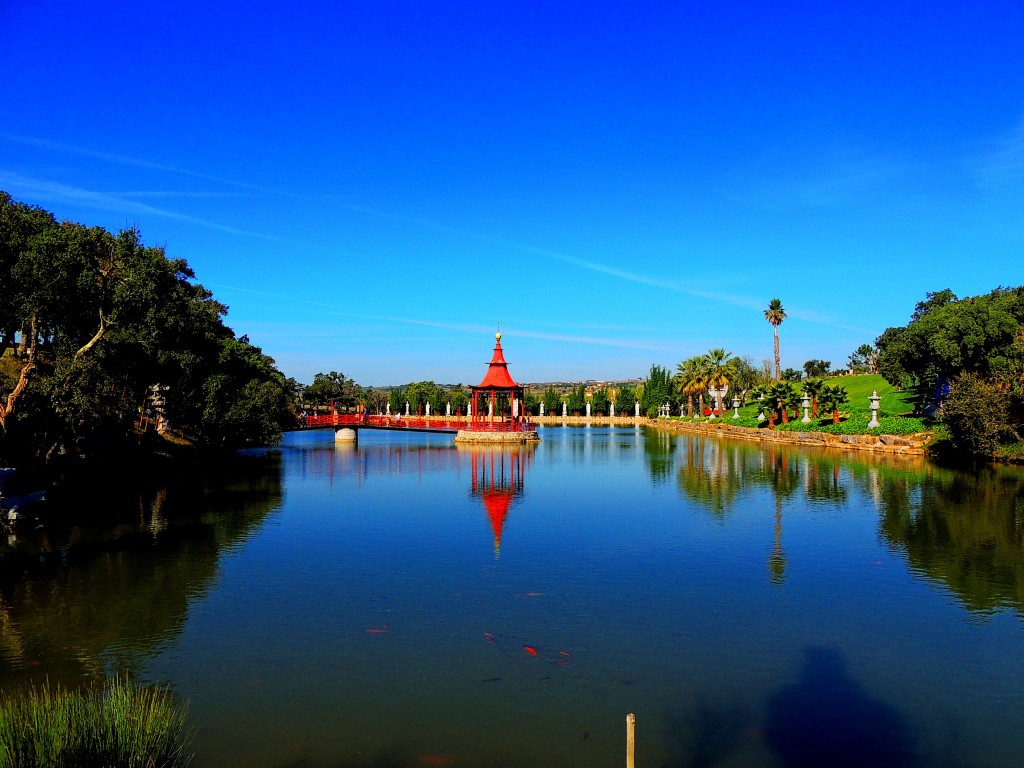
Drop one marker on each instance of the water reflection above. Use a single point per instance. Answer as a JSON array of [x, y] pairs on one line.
[[78, 601], [497, 478], [962, 530], [965, 531]]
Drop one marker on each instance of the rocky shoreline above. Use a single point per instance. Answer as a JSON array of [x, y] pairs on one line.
[[910, 445]]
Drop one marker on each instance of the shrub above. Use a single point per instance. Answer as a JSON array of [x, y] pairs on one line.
[[977, 415], [124, 725]]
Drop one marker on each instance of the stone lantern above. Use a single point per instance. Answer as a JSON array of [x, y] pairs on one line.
[[874, 401], [805, 403], [735, 407]]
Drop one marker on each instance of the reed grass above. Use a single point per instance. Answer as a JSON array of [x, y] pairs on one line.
[[125, 725]]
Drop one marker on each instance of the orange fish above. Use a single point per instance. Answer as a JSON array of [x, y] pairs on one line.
[[489, 638], [378, 631], [529, 650], [436, 761]]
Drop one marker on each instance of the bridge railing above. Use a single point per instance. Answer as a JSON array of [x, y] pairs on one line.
[[414, 422]]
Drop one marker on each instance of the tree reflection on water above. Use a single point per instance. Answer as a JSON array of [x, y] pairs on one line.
[[80, 601], [963, 530]]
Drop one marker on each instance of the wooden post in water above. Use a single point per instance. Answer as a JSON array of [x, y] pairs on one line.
[[630, 739]]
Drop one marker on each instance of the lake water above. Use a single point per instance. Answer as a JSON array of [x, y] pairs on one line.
[[412, 603]]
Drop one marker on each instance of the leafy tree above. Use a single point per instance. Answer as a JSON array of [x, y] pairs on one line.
[[977, 414], [625, 400], [657, 390], [814, 369], [599, 401], [775, 314], [577, 400], [744, 377], [331, 386], [552, 402], [864, 359], [947, 337], [791, 374]]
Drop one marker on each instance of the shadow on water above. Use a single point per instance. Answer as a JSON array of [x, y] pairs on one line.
[[705, 734], [827, 719]]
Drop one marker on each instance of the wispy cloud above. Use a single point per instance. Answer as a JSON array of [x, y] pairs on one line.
[[845, 176], [831, 180], [1001, 165], [53, 192], [467, 328]]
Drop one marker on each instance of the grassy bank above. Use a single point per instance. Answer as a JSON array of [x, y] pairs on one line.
[[123, 726]]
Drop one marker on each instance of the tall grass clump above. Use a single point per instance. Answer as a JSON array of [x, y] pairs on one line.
[[123, 726]]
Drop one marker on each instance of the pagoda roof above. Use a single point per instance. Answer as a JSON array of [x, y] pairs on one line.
[[497, 373]]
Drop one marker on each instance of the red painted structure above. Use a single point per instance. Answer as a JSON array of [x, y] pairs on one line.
[[504, 410]]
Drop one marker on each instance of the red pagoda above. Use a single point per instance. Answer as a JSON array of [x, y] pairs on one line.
[[498, 414]]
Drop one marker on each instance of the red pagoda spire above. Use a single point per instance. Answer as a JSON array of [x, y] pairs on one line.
[[497, 373]]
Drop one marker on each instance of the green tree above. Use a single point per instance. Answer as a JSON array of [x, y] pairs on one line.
[[577, 400], [864, 359], [775, 314], [692, 378], [327, 387], [814, 369], [744, 377], [552, 402], [599, 401], [977, 414], [625, 400], [813, 388], [947, 337], [719, 365], [658, 390], [832, 398]]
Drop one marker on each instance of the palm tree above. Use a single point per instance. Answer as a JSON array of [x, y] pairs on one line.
[[832, 398], [691, 377], [775, 314], [719, 365], [813, 389]]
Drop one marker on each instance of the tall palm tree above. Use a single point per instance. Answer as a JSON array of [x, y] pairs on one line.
[[719, 364], [775, 314]]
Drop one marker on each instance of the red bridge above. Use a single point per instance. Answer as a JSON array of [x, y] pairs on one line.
[[497, 406], [413, 423]]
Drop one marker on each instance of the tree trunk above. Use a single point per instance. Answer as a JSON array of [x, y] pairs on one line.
[[835, 415], [778, 360], [28, 344]]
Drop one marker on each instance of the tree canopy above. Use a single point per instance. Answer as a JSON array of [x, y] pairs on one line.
[[91, 321]]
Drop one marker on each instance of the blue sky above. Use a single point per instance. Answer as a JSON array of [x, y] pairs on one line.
[[372, 188]]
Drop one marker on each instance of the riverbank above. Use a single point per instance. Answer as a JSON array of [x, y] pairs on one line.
[[911, 445]]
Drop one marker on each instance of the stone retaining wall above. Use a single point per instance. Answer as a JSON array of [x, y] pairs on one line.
[[911, 445]]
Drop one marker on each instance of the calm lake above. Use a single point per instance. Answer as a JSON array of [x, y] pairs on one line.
[[407, 603]]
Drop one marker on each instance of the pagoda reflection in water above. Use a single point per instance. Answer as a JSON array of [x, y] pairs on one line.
[[497, 478], [496, 471]]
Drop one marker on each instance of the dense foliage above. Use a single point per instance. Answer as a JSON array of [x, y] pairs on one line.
[[966, 355], [102, 337]]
